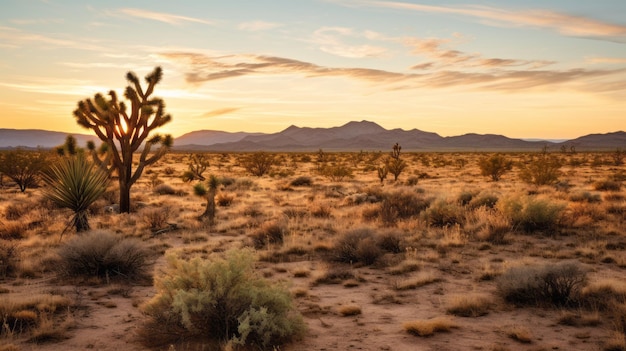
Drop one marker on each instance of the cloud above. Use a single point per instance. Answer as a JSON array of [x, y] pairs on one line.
[[494, 75], [256, 26], [161, 17], [610, 60], [331, 40], [16, 38], [220, 111], [566, 24]]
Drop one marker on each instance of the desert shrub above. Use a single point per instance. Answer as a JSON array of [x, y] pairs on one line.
[[350, 247], [484, 199], [531, 213], [23, 166], [336, 172], [401, 204], [494, 166], [156, 218], [258, 163], [490, 225], [465, 197], [552, 284], [103, 254], [543, 170], [35, 314], [443, 213], [302, 181], [270, 233], [391, 241], [221, 299], [9, 258], [607, 185]]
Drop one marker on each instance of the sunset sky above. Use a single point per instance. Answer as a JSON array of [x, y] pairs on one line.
[[522, 68]]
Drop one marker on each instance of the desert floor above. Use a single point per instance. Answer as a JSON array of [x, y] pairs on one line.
[[346, 306]]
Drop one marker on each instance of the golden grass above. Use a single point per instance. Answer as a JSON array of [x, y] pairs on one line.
[[469, 305], [520, 334], [428, 327], [349, 310], [422, 279]]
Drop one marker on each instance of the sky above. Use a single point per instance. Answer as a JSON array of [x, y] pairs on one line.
[[520, 68]]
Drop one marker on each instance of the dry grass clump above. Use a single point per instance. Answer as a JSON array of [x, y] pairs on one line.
[[349, 310], [104, 255], [579, 319], [469, 305], [604, 294], [14, 229], [406, 266], [9, 258], [489, 225], [607, 185], [520, 334], [302, 181], [428, 327], [558, 284], [617, 342], [420, 280], [334, 275], [224, 199], [166, 189], [37, 316]]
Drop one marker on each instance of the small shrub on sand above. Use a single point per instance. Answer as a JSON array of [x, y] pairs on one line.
[[104, 255], [469, 305], [13, 229], [607, 185], [553, 284], [604, 294], [220, 300], [401, 204], [428, 327], [358, 245], [302, 181], [155, 218]]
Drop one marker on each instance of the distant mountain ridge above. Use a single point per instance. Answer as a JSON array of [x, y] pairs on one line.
[[366, 135], [352, 136], [33, 138]]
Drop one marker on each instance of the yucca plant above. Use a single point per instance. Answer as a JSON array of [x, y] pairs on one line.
[[75, 183]]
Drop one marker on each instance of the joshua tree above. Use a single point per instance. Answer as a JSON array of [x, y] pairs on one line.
[[200, 190], [394, 164], [198, 163], [75, 183], [124, 132]]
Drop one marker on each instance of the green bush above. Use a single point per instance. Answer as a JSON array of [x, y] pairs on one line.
[[220, 300], [531, 213], [549, 285], [105, 255]]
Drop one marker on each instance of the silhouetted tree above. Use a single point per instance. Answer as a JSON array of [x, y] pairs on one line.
[[124, 132], [23, 166]]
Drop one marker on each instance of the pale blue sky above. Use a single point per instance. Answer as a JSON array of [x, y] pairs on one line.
[[544, 69]]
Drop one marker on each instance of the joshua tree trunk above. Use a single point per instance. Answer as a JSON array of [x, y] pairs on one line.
[[209, 211]]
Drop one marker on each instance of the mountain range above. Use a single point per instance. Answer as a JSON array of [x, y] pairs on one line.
[[352, 136]]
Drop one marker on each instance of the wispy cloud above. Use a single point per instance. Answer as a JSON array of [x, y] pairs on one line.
[[161, 16], [256, 26], [494, 75], [610, 60], [220, 111], [15, 38], [566, 24], [330, 40]]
